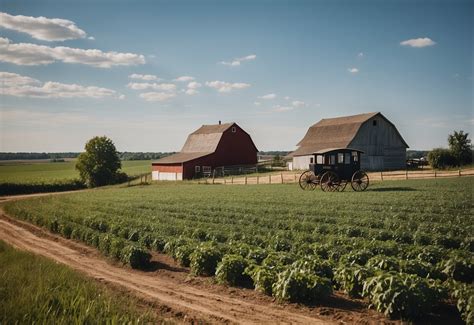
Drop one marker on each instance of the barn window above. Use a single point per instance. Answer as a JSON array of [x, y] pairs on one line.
[[374, 122], [332, 159], [234, 129], [206, 169], [340, 158], [347, 158], [197, 169], [319, 159], [311, 160]]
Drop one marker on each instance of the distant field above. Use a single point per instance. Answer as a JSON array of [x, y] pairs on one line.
[[36, 290], [397, 230], [49, 172]]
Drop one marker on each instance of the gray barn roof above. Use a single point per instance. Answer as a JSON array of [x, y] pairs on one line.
[[335, 132]]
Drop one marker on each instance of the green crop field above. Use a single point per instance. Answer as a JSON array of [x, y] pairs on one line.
[[48, 172], [35, 177], [35, 290], [406, 246]]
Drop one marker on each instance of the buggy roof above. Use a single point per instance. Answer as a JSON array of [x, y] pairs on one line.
[[328, 150]]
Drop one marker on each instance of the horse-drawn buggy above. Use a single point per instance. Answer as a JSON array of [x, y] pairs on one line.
[[332, 169]]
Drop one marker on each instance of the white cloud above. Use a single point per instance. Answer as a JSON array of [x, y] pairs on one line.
[[353, 70], [257, 103], [268, 96], [360, 55], [22, 86], [154, 86], [92, 38], [298, 103], [157, 96], [194, 85], [287, 97], [225, 87], [147, 77], [191, 91], [238, 61], [418, 42], [280, 108], [184, 79], [42, 28], [33, 54]]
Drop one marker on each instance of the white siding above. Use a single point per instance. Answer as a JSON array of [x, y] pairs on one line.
[[302, 162], [162, 176]]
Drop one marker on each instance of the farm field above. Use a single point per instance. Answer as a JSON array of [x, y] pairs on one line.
[[34, 289], [404, 246], [49, 172]]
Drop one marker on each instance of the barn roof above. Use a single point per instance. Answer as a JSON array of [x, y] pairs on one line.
[[335, 132], [181, 157], [200, 143]]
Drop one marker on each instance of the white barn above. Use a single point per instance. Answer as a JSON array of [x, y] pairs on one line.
[[379, 139]]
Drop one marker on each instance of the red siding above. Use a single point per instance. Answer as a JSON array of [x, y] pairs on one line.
[[177, 168]]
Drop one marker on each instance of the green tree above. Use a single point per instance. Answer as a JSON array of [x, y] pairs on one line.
[[99, 165], [460, 146]]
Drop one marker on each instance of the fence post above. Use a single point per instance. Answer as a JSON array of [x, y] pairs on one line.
[[281, 178], [381, 175], [245, 180], [258, 179], [406, 174], [232, 180], [435, 173], [459, 172], [295, 178], [225, 181], [269, 179]]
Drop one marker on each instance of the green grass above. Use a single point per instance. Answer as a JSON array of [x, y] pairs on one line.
[[35, 290], [48, 172], [396, 222]]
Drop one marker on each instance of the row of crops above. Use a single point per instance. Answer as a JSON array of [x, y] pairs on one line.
[[405, 251]]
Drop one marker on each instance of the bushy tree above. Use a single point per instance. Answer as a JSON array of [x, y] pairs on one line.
[[99, 165], [441, 158], [460, 146]]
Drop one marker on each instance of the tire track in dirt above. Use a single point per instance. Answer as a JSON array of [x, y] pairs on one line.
[[173, 293]]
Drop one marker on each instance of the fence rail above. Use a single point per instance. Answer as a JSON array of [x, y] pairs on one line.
[[292, 177]]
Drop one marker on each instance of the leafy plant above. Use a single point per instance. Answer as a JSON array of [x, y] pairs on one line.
[[351, 279], [400, 295], [296, 285], [231, 271], [204, 260]]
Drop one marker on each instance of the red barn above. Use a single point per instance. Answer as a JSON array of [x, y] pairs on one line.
[[207, 148]]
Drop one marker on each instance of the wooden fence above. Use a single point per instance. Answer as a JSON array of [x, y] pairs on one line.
[[293, 177]]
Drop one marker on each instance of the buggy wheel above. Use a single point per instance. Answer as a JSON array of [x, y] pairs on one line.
[[330, 182], [342, 186], [308, 181], [360, 181]]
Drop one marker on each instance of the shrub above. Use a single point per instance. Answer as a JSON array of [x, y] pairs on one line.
[[104, 244], [116, 249], [263, 278], [464, 295], [135, 256], [420, 268], [385, 263], [257, 255], [458, 269], [351, 279], [400, 295], [231, 271], [278, 260], [204, 260], [315, 266], [182, 254], [441, 158], [296, 285], [66, 229], [359, 257]]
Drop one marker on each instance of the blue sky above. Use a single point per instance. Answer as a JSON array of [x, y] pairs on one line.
[[274, 67]]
